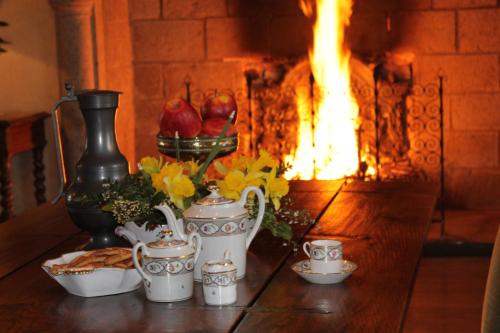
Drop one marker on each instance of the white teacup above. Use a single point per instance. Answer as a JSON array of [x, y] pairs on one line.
[[325, 255]]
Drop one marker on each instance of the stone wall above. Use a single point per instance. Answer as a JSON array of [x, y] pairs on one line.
[[211, 40], [461, 38]]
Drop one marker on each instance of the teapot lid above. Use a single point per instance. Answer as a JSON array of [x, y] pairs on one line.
[[215, 206], [214, 198]]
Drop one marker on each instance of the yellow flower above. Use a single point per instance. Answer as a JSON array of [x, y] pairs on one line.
[[191, 167], [264, 160], [275, 188], [150, 165], [172, 169], [168, 170], [241, 163], [179, 188], [232, 184]]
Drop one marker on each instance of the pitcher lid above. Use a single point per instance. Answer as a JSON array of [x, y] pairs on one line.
[[167, 244], [218, 266], [215, 206]]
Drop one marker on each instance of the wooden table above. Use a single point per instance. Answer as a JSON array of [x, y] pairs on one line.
[[382, 225]]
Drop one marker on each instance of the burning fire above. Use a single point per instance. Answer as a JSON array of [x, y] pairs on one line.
[[327, 145]]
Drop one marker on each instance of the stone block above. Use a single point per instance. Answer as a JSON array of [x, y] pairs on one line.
[[463, 73], [263, 8], [425, 31], [144, 9], [119, 78], [367, 32], [476, 112], [118, 48], [291, 36], [145, 145], [234, 37], [473, 188], [168, 40], [471, 149], [148, 81], [115, 10], [203, 76], [463, 3], [479, 30], [194, 8], [147, 117], [384, 5]]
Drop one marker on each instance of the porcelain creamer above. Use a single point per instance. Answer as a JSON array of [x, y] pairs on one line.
[[219, 281]]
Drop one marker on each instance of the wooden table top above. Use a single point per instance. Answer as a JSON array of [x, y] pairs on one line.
[[382, 225]]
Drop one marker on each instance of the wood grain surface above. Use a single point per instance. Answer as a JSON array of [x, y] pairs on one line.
[[382, 225], [382, 229], [27, 236], [32, 302]]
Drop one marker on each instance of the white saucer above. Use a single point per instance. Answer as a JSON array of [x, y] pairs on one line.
[[303, 268]]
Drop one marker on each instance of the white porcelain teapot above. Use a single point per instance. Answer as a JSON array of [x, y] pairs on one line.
[[222, 224], [167, 267]]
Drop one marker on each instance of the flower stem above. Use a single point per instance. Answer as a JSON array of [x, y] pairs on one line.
[[213, 153]]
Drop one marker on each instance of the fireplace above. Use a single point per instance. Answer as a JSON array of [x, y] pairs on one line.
[[257, 46]]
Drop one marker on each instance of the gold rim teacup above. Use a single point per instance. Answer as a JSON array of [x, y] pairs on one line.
[[325, 255]]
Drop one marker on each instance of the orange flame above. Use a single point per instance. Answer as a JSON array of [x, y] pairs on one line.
[[327, 145]]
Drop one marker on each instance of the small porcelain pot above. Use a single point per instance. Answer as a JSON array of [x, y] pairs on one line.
[[167, 267], [222, 223], [219, 281]]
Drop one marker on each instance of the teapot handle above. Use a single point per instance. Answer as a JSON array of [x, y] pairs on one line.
[[198, 244], [260, 214], [137, 264], [70, 97]]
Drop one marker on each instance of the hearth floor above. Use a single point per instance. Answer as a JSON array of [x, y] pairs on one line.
[[449, 291]]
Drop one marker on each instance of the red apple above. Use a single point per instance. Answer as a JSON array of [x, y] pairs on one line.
[[213, 127], [179, 116], [219, 106]]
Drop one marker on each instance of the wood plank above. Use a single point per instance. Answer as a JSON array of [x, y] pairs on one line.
[[316, 185], [31, 234], [448, 295], [383, 232]]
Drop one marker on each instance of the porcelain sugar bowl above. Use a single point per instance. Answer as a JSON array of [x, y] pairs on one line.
[[219, 281], [222, 224], [167, 267]]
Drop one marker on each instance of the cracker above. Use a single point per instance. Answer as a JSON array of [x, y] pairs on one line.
[[116, 258]]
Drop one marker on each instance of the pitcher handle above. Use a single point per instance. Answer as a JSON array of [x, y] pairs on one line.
[[137, 264], [129, 235], [191, 238], [260, 214], [70, 97]]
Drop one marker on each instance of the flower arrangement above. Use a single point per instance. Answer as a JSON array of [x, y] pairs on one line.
[[178, 184]]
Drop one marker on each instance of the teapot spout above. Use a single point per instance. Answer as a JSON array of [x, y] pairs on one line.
[[173, 224]]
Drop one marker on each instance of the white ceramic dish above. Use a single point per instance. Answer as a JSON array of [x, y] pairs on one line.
[[303, 268], [98, 282]]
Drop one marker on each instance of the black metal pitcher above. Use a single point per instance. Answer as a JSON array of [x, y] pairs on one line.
[[101, 161]]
